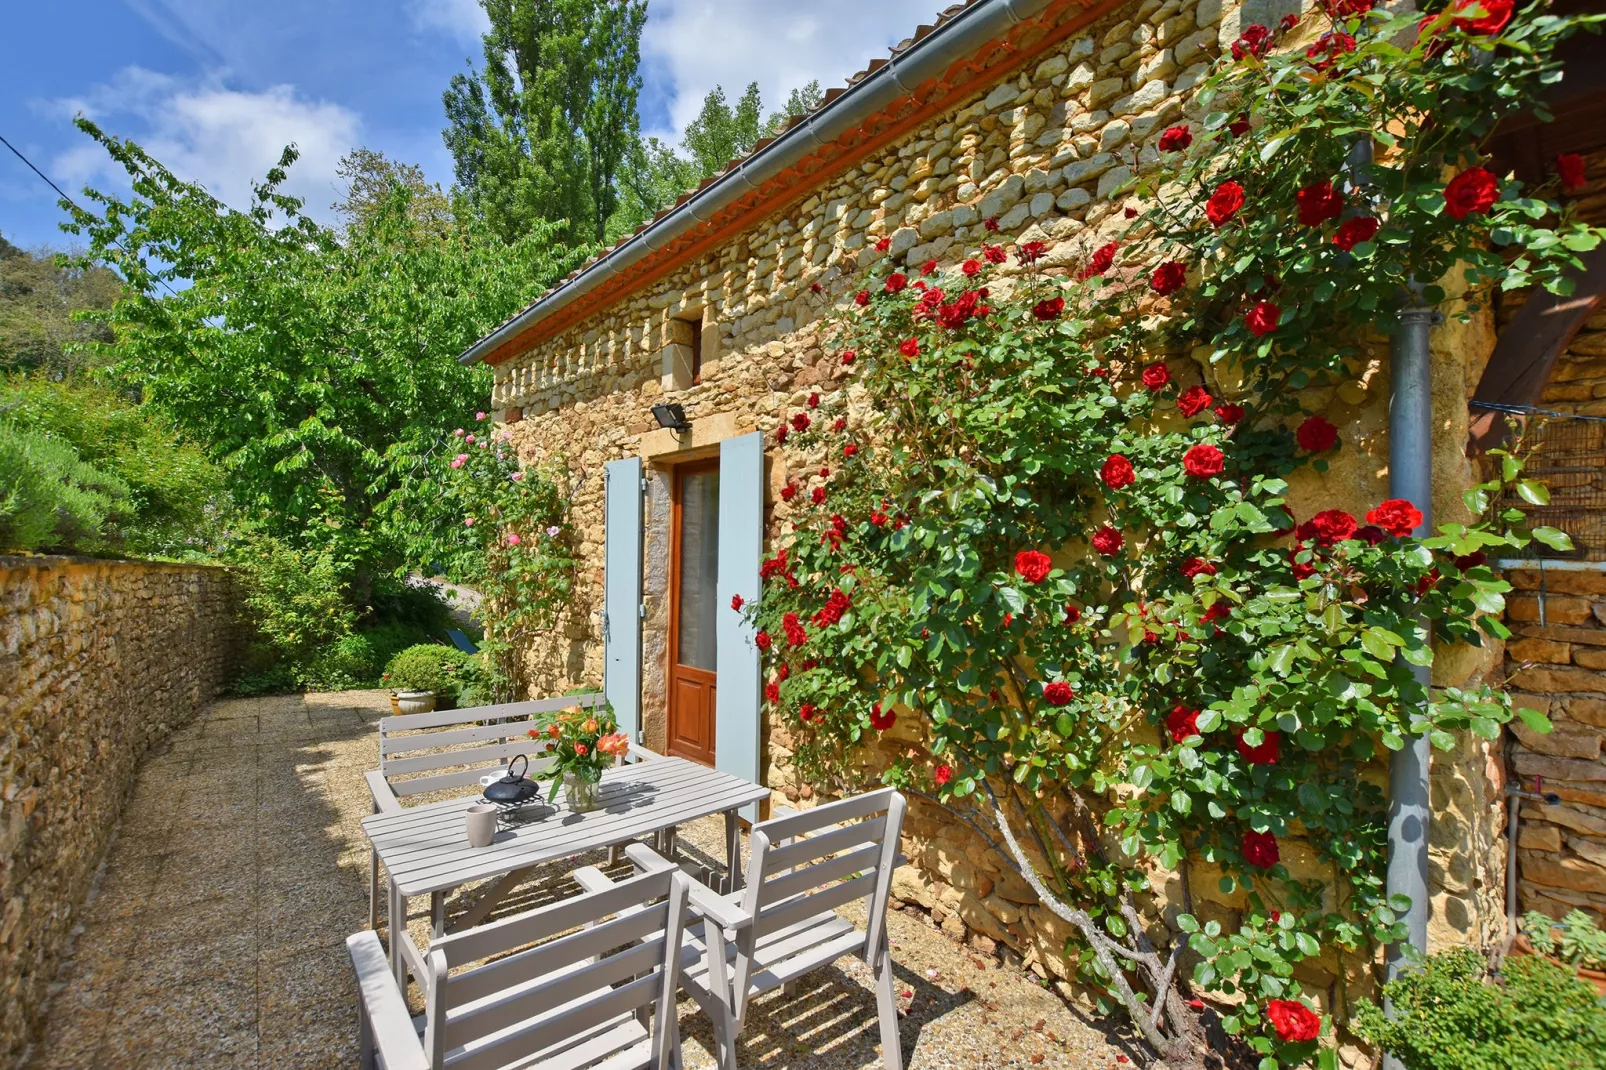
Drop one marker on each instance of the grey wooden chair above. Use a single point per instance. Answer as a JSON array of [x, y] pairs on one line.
[[784, 924], [588, 982]]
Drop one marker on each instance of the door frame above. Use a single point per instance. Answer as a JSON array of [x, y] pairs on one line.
[[678, 472]]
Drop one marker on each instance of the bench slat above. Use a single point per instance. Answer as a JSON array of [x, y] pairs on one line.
[[407, 722]]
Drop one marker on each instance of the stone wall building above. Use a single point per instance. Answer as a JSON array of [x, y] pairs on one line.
[[99, 662], [717, 307]]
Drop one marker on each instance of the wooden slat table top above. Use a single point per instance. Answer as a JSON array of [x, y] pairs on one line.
[[425, 848]]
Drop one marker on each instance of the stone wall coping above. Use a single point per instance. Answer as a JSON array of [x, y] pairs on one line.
[[50, 561]]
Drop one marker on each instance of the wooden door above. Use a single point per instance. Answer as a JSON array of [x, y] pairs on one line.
[[693, 610]]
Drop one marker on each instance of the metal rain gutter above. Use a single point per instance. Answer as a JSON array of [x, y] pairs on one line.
[[980, 23]]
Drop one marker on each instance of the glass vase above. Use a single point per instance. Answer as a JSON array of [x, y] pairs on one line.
[[580, 793]]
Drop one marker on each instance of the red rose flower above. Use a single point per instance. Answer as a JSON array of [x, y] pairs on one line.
[[737, 602], [1168, 278], [849, 356], [970, 267], [942, 775], [991, 222], [1218, 611], [1049, 309], [1030, 252], [789, 491], [1260, 849], [814, 400], [1182, 722], [1292, 1020], [1103, 258], [910, 347], [1072, 614], [1194, 400], [1570, 166], [1224, 203], [801, 421], [1058, 693], [780, 434], [1318, 203], [1331, 46], [1176, 138], [1117, 472], [1371, 534], [1301, 570], [1228, 413], [862, 298], [839, 423], [896, 282], [1287, 22], [817, 495], [849, 450], [1473, 190], [1203, 461], [763, 640], [995, 254], [1396, 516], [1033, 565], [1239, 126], [1156, 376], [1262, 319], [881, 720], [1353, 231], [1107, 541], [1265, 754], [928, 268], [1254, 41], [806, 711], [1496, 13], [772, 691], [883, 245], [815, 288], [1196, 566], [1316, 435], [1329, 527]]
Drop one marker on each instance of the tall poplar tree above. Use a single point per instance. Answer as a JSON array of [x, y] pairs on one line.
[[541, 131]]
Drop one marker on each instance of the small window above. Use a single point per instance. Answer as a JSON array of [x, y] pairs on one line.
[[696, 326]]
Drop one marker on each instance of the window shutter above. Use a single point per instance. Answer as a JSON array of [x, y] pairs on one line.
[[737, 726], [621, 593]]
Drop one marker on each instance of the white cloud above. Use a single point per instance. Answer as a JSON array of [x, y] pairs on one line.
[[222, 138], [690, 46], [462, 19]]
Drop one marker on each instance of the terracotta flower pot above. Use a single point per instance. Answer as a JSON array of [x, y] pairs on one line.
[[395, 704], [1522, 946]]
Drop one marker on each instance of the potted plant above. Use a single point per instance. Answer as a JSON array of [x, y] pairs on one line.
[[422, 675], [1574, 941], [582, 744]]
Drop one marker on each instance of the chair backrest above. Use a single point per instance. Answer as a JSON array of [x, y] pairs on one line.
[[578, 996], [823, 858], [421, 752]]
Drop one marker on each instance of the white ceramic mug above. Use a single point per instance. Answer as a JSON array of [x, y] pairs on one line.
[[481, 821]]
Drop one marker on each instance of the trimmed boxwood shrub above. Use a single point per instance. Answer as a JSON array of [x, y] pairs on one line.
[[430, 667]]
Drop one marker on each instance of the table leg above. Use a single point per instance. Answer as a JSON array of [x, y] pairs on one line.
[[733, 853], [397, 919], [437, 913]]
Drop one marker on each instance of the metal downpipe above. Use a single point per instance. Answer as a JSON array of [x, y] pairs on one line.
[[1410, 477]]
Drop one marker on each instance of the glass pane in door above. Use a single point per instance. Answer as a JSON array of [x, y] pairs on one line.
[[699, 569]]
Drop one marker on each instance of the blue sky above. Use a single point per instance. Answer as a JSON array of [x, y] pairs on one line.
[[215, 88]]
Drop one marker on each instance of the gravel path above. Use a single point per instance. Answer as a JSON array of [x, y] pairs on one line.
[[217, 933]]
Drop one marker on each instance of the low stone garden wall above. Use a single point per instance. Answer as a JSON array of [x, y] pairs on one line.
[[99, 661]]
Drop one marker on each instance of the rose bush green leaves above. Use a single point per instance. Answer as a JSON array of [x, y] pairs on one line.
[[1084, 582]]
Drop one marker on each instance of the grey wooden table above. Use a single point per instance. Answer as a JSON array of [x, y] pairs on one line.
[[425, 849]]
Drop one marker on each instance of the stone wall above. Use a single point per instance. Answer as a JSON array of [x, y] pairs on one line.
[[1559, 662], [99, 661], [1044, 149]]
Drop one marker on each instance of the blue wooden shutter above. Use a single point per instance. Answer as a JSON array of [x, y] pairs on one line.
[[621, 593], [737, 729]]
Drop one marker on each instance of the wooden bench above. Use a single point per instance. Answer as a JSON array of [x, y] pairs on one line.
[[425, 752]]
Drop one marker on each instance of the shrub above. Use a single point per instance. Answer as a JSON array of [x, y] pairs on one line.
[[296, 598], [430, 667], [1450, 1014], [50, 498]]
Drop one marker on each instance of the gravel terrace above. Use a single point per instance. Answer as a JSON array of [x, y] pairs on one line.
[[216, 935]]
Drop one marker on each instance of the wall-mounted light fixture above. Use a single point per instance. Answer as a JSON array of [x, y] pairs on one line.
[[671, 415]]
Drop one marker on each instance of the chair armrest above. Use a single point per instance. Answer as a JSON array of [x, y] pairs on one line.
[[385, 800], [709, 904], [638, 753], [383, 1005], [646, 860], [591, 879]]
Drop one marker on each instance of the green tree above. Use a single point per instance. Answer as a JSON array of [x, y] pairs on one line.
[[541, 131], [314, 371], [371, 177], [39, 293], [799, 102]]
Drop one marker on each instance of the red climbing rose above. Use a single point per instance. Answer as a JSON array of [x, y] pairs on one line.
[[1570, 166], [1203, 461], [1058, 693], [1194, 400], [1396, 516], [1265, 754], [1156, 376], [942, 775], [1254, 41], [880, 719], [1224, 203], [1196, 566], [896, 282], [763, 640], [1049, 309], [1292, 1020], [1472, 191], [1117, 472], [862, 298], [1239, 126], [1107, 541], [910, 347], [1176, 138], [1031, 252], [1168, 278], [1033, 565], [1352, 232], [737, 602], [1329, 527], [1228, 413], [1182, 722], [1260, 849], [1496, 13], [1318, 203], [1262, 319], [1316, 435], [1326, 49], [1103, 258]]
